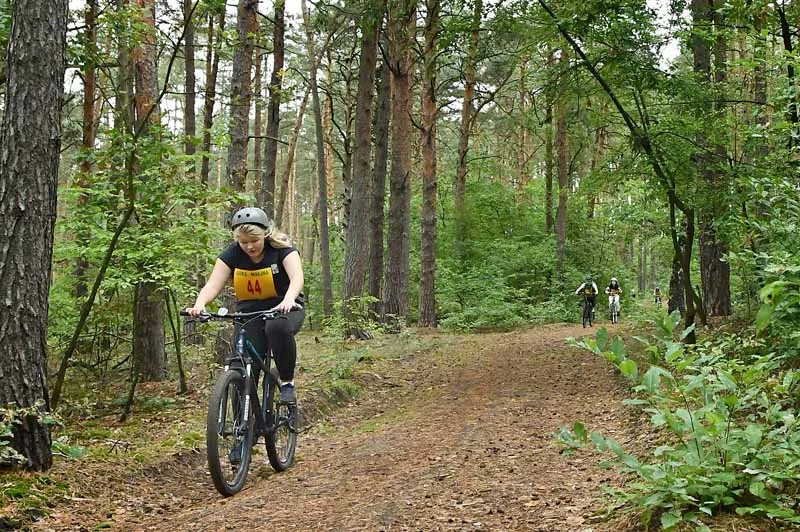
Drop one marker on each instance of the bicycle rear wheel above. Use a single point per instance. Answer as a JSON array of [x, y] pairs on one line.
[[281, 438], [229, 435]]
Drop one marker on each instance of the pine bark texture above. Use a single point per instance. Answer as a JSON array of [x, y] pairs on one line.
[[30, 142], [427, 281], [240, 93], [714, 269], [356, 246], [324, 243], [402, 19], [212, 68], [190, 116], [378, 189], [267, 193], [149, 352]]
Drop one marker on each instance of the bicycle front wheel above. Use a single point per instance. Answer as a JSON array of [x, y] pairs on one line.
[[281, 438], [229, 433]]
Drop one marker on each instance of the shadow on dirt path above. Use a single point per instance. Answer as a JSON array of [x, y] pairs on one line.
[[459, 439]]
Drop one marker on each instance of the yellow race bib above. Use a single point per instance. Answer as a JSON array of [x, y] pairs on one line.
[[254, 284]]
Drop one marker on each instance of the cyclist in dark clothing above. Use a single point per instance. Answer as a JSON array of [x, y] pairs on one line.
[[589, 289], [266, 274]]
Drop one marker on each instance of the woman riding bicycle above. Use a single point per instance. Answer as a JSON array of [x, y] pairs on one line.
[[267, 274], [614, 291]]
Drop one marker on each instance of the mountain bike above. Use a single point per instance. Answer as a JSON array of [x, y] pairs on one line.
[[236, 417], [658, 301], [613, 307], [588, 310]]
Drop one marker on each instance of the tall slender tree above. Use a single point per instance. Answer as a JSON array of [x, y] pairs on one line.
[[465, 129], [28, 183], [148, 332], [324, 243], [562, 159], [356, 251], [241, 92], [714, 268], [402, 23], [378, 189], [210, 95], [427, 288], [266, 195]]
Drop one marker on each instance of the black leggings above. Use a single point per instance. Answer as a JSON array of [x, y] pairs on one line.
[[280, 333]]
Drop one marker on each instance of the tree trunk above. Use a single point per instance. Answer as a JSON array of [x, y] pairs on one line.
[[427, 282], [324, 241], [82, 237], [465, 128], [267, 194], [402, 18], [258, 172], [356, 247], [549, 222], [286, 191], [123, 95], [676, 299], [150, 358], [714, 271], [190, 117], [640, 268], [28, 182], [148, 330], [327, 124], [378, 189], [562, 151], [786, 34], [522, 138], [212, 68], [240, 94]]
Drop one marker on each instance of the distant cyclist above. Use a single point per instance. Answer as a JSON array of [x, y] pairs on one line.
[[614, 291], [589, 290], [657, 296]]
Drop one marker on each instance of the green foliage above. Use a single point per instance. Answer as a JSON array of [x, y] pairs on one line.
[[169, 241], [479, 299], [360, 318], [725, 412], [12, 415], [62, 447]]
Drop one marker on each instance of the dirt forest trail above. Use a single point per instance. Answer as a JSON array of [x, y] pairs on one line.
[[457, 439]]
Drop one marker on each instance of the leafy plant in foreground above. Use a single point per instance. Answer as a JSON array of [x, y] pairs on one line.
[[725, 414]]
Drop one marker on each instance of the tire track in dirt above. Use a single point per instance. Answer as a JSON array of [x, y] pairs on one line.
[[460, 439]]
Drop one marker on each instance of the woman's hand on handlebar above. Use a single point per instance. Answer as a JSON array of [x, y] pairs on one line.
[[287, 305], [195, 310]]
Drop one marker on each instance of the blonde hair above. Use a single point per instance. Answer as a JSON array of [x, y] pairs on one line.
[[275, 238]]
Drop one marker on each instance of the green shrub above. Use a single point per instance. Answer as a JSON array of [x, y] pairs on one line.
[[726, 410]]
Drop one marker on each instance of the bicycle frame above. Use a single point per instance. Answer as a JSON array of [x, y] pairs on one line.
[[246, 353]]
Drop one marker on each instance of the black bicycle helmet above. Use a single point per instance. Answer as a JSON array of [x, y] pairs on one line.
[[251, 215]]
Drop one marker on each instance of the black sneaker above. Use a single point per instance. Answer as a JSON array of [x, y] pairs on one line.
[[288, 394]]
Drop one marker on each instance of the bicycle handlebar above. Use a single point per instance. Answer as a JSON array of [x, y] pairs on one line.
[[223, 314]]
